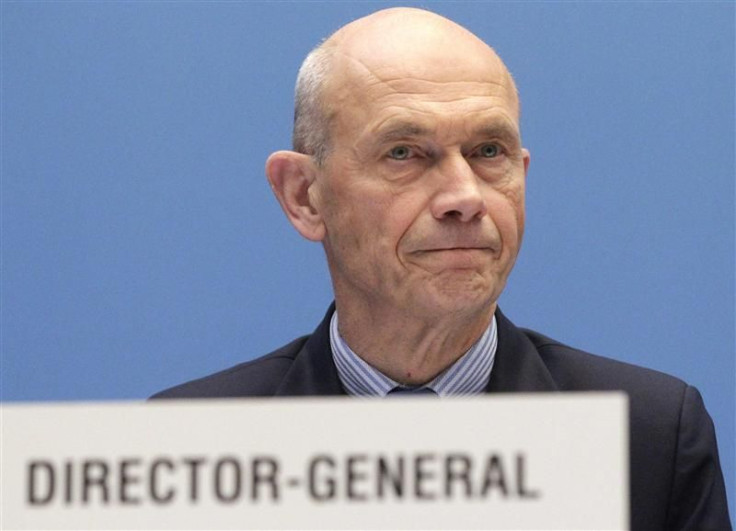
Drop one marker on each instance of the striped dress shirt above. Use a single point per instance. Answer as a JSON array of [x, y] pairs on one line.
[[467, 376]]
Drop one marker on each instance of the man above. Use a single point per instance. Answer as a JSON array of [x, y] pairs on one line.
[[409, 168]]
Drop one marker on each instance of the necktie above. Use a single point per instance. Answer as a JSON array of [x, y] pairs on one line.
[[399, 391]]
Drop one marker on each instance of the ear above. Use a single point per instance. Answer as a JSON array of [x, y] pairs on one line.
[[526, 157], [291, 174]]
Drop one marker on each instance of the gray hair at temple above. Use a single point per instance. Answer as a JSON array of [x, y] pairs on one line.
[[311, 120]]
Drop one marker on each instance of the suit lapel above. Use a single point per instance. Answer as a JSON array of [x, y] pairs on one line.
[[313, 372], [518, 367]]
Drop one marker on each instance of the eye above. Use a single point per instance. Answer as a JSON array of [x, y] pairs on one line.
[[400, 152], [488, 151]]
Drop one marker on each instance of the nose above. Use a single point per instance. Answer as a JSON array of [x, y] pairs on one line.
[[458, 194]]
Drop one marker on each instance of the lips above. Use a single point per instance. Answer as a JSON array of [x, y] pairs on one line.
[[457, 258], [436, 247], [456, 250], [480, 239]]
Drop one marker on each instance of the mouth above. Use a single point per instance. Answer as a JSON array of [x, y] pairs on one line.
[[455, 250], [456, 257]]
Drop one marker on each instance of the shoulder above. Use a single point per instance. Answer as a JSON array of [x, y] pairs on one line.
[[304, 367], [676, 480], [259, 377], [657, 401], [576, 370]]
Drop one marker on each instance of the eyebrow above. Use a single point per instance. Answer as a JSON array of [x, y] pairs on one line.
[[502, 130], [405, 129], [401, 130]]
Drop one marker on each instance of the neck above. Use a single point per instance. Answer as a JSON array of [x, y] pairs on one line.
[[406, 348]]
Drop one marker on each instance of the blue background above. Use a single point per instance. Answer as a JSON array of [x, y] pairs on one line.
[[141, 245]]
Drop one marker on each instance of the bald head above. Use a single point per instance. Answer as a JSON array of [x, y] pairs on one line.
[[385, 47]]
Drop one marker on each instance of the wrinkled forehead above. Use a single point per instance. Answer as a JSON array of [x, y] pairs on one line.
[[416, 46]]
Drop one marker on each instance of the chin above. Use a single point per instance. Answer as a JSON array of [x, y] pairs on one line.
[[453, 298]]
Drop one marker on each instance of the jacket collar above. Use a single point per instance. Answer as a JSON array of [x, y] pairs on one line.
[[518, 366], [313, 373]]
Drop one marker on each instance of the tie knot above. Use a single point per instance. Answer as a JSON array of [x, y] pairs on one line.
[[411, 391]]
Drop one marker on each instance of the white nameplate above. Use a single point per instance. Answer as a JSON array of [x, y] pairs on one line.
[[553, 461]]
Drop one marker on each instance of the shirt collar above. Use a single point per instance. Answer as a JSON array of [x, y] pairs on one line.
[[468, 375]]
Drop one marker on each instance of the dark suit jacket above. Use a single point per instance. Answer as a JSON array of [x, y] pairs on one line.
[[676, 479]]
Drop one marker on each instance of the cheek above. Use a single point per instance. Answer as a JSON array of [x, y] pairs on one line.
[[387, 212], [507, 211], [356, 221], [517, 203]]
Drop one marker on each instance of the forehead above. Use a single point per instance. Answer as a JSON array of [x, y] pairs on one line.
[[412, 42], [431, 72], [437, 62], [389, 102]]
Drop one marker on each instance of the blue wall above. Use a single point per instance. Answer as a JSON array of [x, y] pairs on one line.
[[141, 245]]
